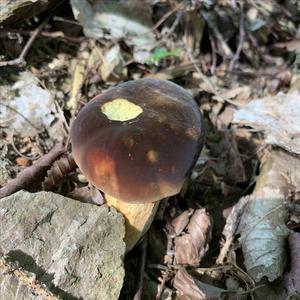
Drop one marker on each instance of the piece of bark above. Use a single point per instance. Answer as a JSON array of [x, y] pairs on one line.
[[33, 173], [60, 169]]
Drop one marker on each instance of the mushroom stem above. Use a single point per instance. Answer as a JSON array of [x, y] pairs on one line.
[[138, 218]]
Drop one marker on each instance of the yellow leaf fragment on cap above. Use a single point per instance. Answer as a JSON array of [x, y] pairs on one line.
[[121, 110]]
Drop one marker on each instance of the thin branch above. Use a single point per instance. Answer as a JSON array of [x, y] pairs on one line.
[[162, 284], [47, 34], [241, 40], [205, 79], [21, 59], [32, 173], [171, 258], [166, 16]]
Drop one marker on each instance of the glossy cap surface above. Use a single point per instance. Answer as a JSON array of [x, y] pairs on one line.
[[138, 140]]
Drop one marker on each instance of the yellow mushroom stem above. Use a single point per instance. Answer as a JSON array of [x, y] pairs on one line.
[[138, 218]]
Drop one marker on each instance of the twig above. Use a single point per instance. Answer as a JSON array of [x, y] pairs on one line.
[[60, 19], [231, 226], [61, 35], [139, 292], [163, 19], [166, 16], [205, 79], [213, 55], [174, 25], [213, 26], [48, 34], [162, 284], [30, 174], [241, 40], [171, 258], [25, 278], [21, 59]]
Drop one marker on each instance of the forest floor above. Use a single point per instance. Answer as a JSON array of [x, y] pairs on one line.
[[234, 230]]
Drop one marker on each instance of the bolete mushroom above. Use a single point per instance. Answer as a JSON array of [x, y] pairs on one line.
[[137, 142]]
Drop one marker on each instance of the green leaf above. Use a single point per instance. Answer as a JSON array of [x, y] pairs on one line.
[[160, 53]]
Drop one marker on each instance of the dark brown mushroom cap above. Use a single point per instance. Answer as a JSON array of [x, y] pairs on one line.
[[147, 157]]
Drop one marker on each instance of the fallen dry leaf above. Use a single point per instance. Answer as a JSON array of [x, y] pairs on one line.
[[87, 194], [27, 114], [77, 82], [186, 287], [190, 288], [277, 117], [263, 225], [112, 64], [192, 246], [179, 223]]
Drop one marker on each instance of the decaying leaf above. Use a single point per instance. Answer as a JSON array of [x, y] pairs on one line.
[[87, 194], [186, 286], [112, 64], [179, 223], [191, 246], [277, 117], [130, 20], [189, 288], [32, 109], [262, 228], [77, 82]]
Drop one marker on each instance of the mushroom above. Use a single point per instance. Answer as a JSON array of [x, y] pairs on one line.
[[137, 142]]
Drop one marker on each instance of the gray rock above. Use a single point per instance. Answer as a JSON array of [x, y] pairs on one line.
[[76, 249], [12, 11], [4, 167]]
